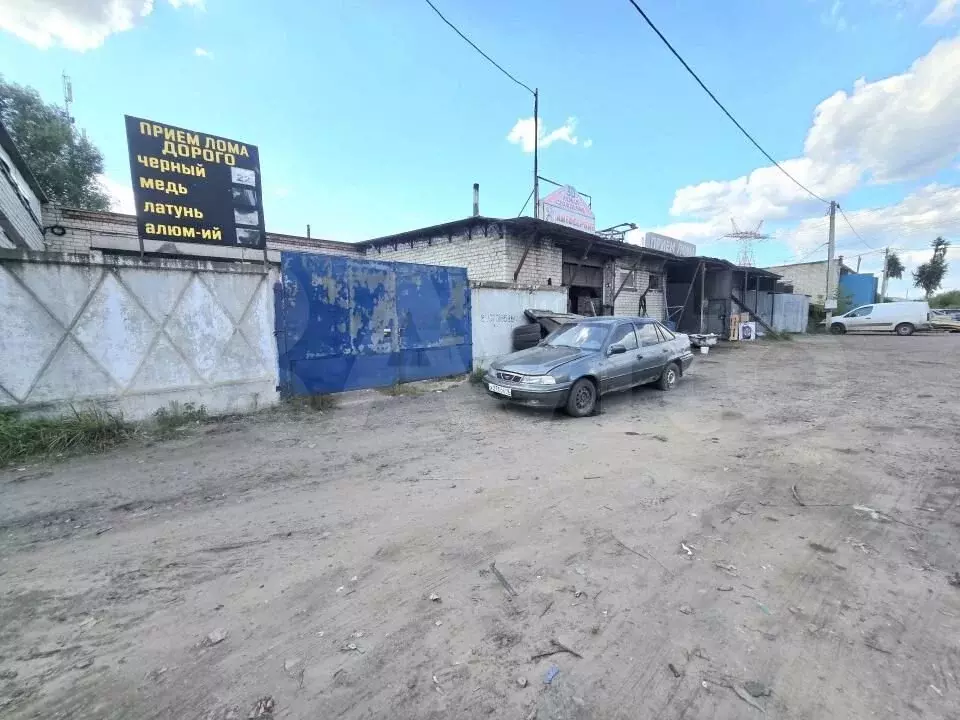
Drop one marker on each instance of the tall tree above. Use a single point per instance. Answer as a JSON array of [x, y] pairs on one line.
[[895, 268], [930, 275], [64, 162]]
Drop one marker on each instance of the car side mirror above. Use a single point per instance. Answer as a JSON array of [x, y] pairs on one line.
[[616, 349]]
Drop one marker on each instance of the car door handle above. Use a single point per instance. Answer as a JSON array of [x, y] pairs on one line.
[[639, 357]]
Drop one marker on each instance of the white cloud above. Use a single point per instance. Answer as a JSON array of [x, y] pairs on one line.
[[522, 134], [203, 52], [121, 195], [944, 12], [834, 18], [588, 143], [897, 128], [75, 24]]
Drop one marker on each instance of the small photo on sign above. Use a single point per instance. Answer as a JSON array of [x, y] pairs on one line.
[[243, 177], [245, 198], [246, 217], [248, 237]]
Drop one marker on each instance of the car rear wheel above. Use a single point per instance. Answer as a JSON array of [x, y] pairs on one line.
[[582, 400], [668, 380], [837, 329], [904, 329]]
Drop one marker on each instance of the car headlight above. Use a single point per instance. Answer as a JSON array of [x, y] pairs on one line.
[[540, 379]]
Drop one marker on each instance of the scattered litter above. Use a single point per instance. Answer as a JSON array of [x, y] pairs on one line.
[[744, 509], [795, 610], [291, 664], [673, 669], [631, 432], [771, 518], [351, 647], [354, 578], [686, 609], [340, 589], [645, 556], [502, 579], [156, 674], [522, 681], [559, 647], [821, 548], [319, 633], [311, 446], [725, 588], [728, 569], [102, 530], [438, 623], [872, 644], [551, 674], [262, 708], [83, 664], [874, 514], [592, 477], [766, 610], [937, 690], [547, 608], [214, 638], [358, 634], [687, 550], [89, 622], [745, 696], [757, 689], [434, 597], [661, 438], [796, 496]]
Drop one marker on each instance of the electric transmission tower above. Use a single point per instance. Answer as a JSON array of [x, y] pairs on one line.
[[745, 239]]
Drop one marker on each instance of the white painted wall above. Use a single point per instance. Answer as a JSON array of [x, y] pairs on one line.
[[135, 336], [497, 311]]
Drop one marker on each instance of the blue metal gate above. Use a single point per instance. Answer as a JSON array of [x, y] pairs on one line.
[[347, 324]]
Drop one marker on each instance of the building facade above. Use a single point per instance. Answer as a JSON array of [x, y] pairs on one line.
[[810, 278]]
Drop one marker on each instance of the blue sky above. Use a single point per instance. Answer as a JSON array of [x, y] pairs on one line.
[[374, 117]]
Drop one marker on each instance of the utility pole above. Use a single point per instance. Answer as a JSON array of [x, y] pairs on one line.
[[883, 283], [829, 298], [858, 262], [536, 153]]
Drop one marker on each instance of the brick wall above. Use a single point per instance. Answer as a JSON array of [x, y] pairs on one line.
[[628, 301], [544, 261], [483, 257], [19, 208], [809, 278]]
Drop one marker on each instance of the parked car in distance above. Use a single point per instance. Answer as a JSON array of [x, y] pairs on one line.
[[903, 318], [579, 362]]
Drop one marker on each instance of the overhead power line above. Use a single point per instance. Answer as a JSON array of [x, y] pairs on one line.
[[473, 45], [844, 215], [720, 104]]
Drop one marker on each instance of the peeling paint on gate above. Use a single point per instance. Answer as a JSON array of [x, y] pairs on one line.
[[345, 324]]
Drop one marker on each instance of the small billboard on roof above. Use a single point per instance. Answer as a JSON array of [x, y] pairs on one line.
[[565, 206]]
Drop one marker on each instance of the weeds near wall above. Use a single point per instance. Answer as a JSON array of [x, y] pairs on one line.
[[400, 389], [173, 418], [308, 403], [88, 430], [476, 376]]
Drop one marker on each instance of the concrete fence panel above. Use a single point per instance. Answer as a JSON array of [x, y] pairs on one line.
[[135, 335]]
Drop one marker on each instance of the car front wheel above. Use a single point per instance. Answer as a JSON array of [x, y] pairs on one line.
[[583, 398], [838, 329], [904, 329]]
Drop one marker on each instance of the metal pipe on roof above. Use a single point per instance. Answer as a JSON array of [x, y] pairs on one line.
[[476, 199]]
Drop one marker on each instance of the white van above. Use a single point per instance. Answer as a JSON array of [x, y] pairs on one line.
[[903, 318]]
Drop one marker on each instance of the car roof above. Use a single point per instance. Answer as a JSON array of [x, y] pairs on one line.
[[610, 319]]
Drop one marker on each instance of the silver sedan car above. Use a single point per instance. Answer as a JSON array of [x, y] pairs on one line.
[[578, 363]]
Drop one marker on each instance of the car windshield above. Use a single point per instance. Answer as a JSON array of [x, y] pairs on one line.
[[587, 336]]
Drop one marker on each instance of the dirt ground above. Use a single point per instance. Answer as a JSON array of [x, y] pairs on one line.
[[294, 556]]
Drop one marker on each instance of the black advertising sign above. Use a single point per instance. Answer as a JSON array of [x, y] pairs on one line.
[[193, 187]]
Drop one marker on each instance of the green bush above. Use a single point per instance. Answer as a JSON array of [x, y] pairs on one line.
[[177, 415]]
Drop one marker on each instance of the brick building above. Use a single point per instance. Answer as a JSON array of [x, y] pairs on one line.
[[601, 275], [810, 278], [21, 199]]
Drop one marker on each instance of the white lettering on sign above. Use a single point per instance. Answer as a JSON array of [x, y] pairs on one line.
[[667, 244], [567, 207]]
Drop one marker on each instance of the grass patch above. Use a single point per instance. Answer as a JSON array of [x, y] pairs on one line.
[[310, 403], [779, 336], [171, 419], [399, 389], [476, 377], [91, 429]]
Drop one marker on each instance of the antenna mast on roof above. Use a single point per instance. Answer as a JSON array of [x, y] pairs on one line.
[[67, 95], [745, 239]]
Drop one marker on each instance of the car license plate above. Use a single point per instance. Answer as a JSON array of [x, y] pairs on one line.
[[500, 390]]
